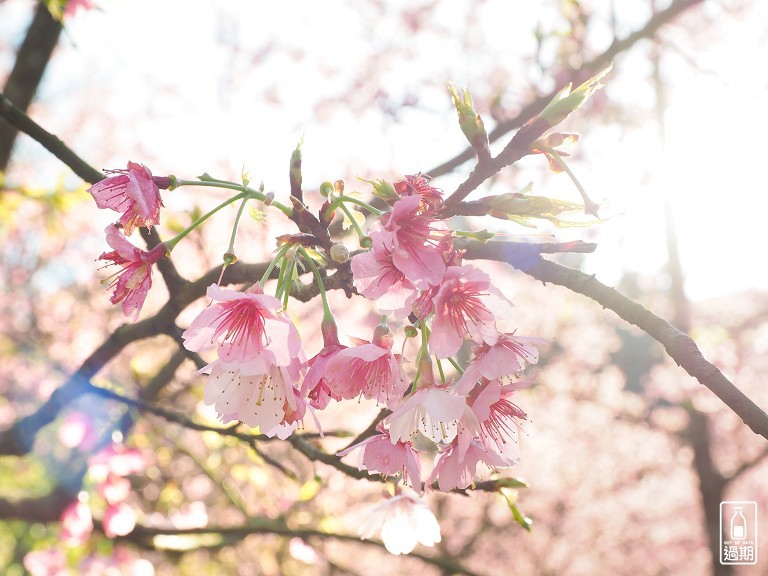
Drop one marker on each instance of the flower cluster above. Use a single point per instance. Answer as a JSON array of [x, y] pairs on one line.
[[135, 194], [414, 274]]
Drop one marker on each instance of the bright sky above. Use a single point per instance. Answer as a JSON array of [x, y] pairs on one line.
[[187, 87]]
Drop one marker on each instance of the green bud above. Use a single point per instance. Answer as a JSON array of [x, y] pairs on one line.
[[383, 189], [470, 122], [567, 100], [326, 189], [339, 253]]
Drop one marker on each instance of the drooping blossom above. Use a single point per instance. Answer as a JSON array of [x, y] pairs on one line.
[[507, 357], [76, 523], [378, 454], [456, 466], [418, 185], [404, 521], [499, 418], [418, 241], [376, 276], [370, 369], [314, 385], [132, 283], [258, 399], [132, 192], [433, 410], [246, 327], [119, 520], [465, 306]]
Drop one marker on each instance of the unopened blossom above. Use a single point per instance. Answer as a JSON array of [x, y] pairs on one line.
[[132, 283], [245, 327], [507, 357], [369, 369], [418, 242], [76, 523], [465, 306], [376, 276], [378, 454], [314, 385], [418, 185], [404, 521], [132, 192], [119, 520]]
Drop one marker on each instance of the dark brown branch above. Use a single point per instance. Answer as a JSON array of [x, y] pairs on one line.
[[144, 535], [31, 60], [681, 347]]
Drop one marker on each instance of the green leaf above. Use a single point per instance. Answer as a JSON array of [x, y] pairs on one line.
[[510, 496]]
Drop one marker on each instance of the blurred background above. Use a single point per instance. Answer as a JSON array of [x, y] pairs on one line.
[[627, 457]]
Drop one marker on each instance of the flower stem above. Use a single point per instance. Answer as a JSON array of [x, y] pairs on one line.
[[339, 203], [590, 206], [327, 314], [209, 182], [171, 244], [268, 272]]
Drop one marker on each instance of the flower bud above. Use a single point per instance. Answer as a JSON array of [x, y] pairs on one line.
[[326, 189], [339, 253]]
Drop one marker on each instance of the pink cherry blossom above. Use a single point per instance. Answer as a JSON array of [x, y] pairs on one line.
[[370, 369], [418, 241], [314, 385], [258, 399], [418, 184], [434, 411], [246, 327], [119, 520], [133, 281], [378, 454], [134, 193], [376, 276], [463, 307], [76, 523], [74, 5], [499, 419], [507, 357], [457, 464], [77, 430], [404, 521]]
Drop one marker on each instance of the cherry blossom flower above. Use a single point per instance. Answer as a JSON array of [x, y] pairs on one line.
[[456, 466], [376, 276], [77, 430], [417, 242], [507, 357], [257, 399], [370, 369], [314, 384], [133, 281], [133, 192], [432, 410], [499, 419], [246, 327], [404, 521], [74, 5], [76, 523], [115, 489], [418, 184], [463, 307], [119, 520], [378, 454]]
